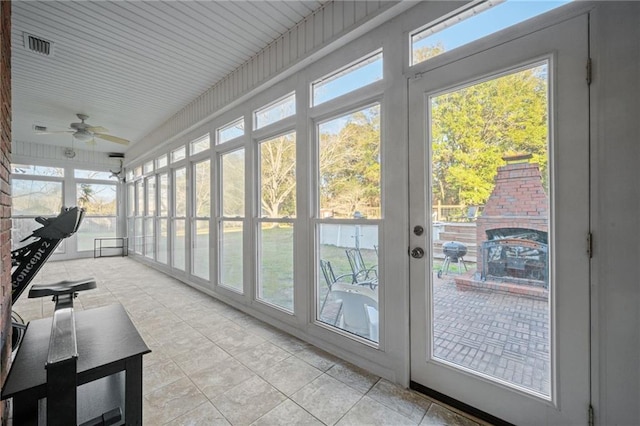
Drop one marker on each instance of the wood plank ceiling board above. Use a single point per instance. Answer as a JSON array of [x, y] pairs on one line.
[[131, 65]]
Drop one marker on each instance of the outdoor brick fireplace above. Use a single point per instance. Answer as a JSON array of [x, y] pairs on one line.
[[514, 221]]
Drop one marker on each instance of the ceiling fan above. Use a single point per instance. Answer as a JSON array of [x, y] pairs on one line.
[[85, 132]]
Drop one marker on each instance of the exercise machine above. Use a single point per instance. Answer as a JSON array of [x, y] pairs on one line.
[[28, 260]]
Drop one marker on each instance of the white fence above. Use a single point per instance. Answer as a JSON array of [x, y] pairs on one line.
[[349, 236]]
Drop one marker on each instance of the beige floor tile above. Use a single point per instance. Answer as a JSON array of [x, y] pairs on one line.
[[287, 413], [183, 345], [358, 378], [160, 374], [248, 401], [221, 330], [290, 375], [289, 343], [405, 402], [239, 342], [369, 412], [206, 356], [203, 415], [184, 327], [221, 377], [171, 401], [327, 399], [317, 358], [262, 357], [438, 415]]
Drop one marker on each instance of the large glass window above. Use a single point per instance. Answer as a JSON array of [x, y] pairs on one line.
[[231, 131], [93, 174], [38, 194], [138, 245], [199, 145], [32, 197], [131, 200], [275, 111], [277, 172], [364, 72], [507, 179], [202, 212], [148, 167], [163, 221], [178, 154], [347, 227], [349, 165], [475, 22], [99, 201], [28, 169], [179, 218], [149, 230], [231, 221], [162, 161]]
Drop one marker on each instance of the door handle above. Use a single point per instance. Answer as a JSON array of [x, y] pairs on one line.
[[417, 253]]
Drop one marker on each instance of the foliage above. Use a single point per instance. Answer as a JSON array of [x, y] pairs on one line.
[[97, 199], [233, 183], [474, 127], [350, 164], [202, 195], [278, 176]]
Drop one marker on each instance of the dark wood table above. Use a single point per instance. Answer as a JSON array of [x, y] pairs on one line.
[[108, 343]]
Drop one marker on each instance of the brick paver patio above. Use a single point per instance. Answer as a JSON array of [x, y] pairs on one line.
[[497, 334]]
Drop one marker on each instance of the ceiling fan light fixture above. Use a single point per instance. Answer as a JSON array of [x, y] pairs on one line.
[[83, 135]]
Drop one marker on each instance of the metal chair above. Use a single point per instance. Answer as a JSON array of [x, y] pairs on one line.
[[361, 274], [331, 279]]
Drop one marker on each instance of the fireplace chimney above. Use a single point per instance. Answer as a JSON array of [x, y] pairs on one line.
[[518, 199]]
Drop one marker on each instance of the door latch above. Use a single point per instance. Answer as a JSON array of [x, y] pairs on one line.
[[417, 253]]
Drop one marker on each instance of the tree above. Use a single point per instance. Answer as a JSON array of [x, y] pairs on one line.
[[350, 163], [474, 127], [278, 176], [233, 183]]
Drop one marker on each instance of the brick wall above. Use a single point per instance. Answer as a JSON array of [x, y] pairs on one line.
[[5, 192]]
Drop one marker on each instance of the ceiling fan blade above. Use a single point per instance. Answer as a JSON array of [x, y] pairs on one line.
[[111, 138], [97, 129], [54, 132]]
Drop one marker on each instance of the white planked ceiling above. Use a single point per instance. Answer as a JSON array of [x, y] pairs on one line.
[[131, 65]]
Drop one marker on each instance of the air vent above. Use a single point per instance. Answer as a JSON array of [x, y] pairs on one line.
[[39, 128], [37, 44]]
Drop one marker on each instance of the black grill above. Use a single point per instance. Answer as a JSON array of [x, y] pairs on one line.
[[454, 250]]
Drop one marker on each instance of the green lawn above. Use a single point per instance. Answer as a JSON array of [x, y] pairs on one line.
[[277, 263]]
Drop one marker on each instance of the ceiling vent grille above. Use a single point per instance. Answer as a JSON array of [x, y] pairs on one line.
[[38, 45]]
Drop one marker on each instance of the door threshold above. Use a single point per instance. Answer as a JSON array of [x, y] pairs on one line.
[[459, 405]]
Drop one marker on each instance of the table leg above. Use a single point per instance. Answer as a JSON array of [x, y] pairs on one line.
[[133, 391], [25, 410]]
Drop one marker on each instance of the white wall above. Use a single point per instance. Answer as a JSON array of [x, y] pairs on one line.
[[616, 213]]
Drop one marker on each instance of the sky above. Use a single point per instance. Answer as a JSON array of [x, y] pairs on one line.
[[485, 23], [488, 22]]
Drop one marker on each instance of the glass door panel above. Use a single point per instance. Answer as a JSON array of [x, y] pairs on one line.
[[495, 241]]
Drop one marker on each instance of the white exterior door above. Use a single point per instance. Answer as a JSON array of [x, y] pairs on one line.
[[500, 299]]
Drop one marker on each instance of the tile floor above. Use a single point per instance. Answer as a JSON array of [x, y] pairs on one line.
[[214, 365]]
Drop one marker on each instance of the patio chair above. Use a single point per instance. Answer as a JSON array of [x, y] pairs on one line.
[[331, 279], [361, 274], [359, 310]]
